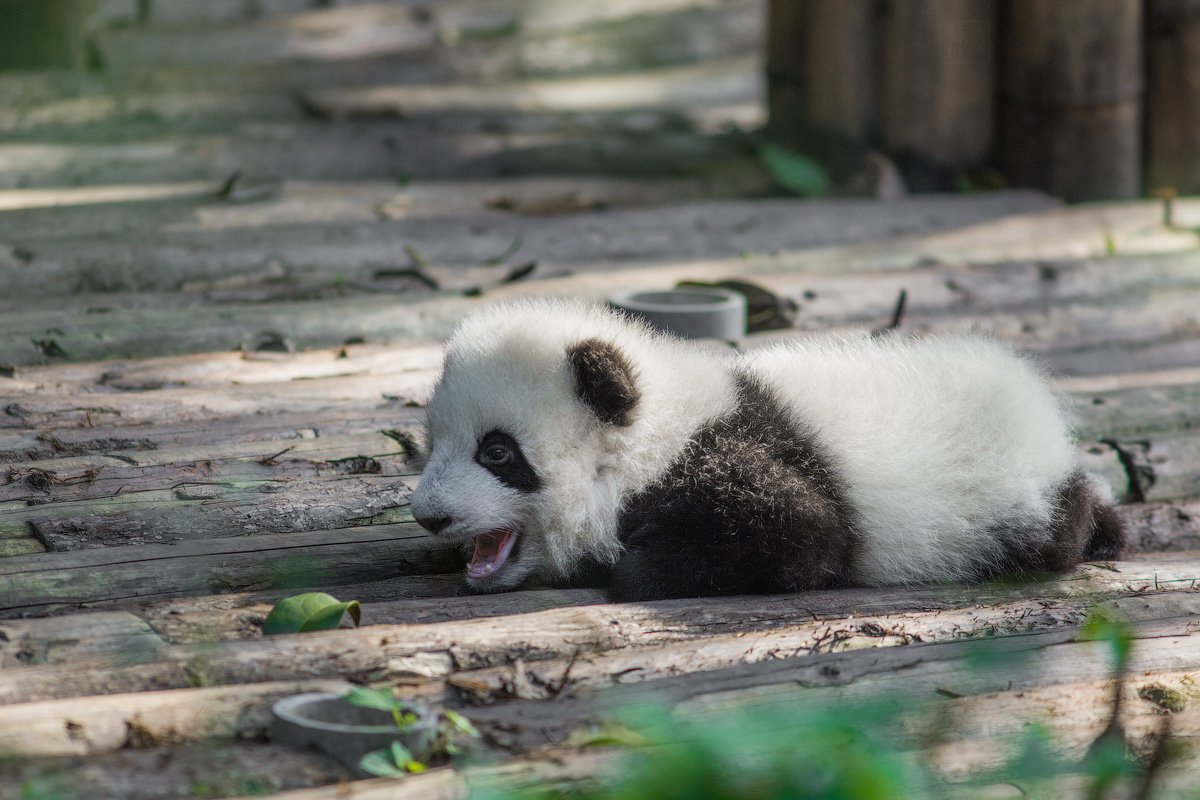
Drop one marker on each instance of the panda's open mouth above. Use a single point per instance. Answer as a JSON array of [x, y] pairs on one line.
[[491, 551]]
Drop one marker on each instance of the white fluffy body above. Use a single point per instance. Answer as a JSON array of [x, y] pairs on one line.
[[938, 442]]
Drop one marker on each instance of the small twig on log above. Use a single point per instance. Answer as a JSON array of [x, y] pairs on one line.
[[270, 461], [512, 250], [520, 273], [897, 316], [557, 689], [226, 188]]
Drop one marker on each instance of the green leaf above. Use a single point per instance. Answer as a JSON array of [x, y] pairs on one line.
[[315, 611], [381, 699], [460, 723], [1117, 633], [404, 759], [380, 764], [798, 174], [329, 617]]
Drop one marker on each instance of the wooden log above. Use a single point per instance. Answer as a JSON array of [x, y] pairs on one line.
[[1127, 413], [597, 144], [282, 262], [1153, 528], [543, 680], [301, 404], [722, 83], [1072, 85], [39, 583], [1122, 333], [937, 86], [15, 199], [1172, 96], [210, 511], [58, 432], [82, 508], [821, 70], [196, 620], [1126, 404], [42, 34], [329, 34], [366, 653], [987, 729], [549, 766], [98, 210], [97, 475], [915, 673], [111, 636], [240, 615], [147, 719]]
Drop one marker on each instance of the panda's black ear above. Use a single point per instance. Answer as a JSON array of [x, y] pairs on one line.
[[604, 380]]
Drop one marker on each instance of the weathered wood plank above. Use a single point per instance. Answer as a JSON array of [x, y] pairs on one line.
[[555, 766], [181, 622], [58, 432], [39, 583], [595, 144], [541, 680], [107, 635], [85, 726], [915, 672], [303, 258], [95, 474], [561, 633], [44, 401], [1114, 413], [325, 34], [144, 494], [97, 211], [14, 199], [1100, 323], [720, 83], [212, 767]]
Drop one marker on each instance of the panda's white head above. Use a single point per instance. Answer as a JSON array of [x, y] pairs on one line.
[[525, 433]]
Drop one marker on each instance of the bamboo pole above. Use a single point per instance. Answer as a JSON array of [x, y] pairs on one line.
[[820, 68], [42, 34], [937, 86], [1072, 96], [1173, 96]]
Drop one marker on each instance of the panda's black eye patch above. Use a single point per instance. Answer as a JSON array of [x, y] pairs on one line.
[[500, 455]]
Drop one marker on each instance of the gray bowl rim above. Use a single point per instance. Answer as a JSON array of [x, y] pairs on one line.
[[283, 709], [724, 299]]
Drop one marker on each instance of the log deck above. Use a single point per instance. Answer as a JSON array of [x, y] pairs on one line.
[[221, 316]]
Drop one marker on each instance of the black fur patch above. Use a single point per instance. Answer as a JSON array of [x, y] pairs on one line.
[[604, 380], [1085, 529], [515, 470], [751, 506]]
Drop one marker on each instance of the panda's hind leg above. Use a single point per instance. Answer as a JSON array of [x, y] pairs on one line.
[[1108, 532], [1085, 528]]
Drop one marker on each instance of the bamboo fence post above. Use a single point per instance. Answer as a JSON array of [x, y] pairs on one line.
[[1072, 93], [42, 34], [937, 84], [1173, 96], [821, 70]]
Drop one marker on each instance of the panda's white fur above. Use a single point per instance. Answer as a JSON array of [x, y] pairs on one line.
[[935, 445]]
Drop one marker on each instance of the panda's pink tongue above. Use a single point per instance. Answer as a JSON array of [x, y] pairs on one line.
[[491, 551]]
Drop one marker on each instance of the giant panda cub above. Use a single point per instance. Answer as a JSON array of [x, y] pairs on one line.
[[569, 443]]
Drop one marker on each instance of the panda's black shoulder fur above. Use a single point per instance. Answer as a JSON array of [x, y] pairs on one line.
[[751, 505]]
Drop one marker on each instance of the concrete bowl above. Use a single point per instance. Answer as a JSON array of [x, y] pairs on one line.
[[693, 313], [343, 730]]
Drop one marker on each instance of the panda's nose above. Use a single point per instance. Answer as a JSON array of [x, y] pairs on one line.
[[434, 524]]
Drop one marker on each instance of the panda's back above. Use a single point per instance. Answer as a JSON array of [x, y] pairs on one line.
[[941, 446]]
